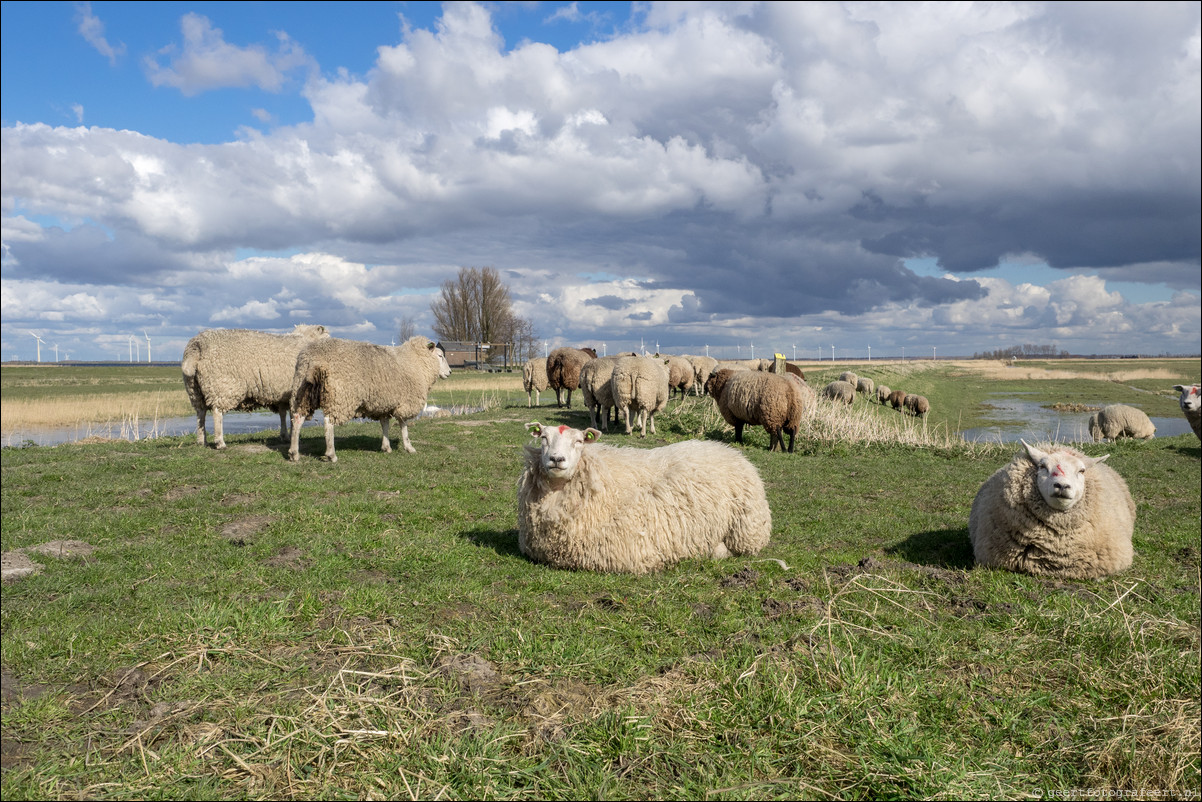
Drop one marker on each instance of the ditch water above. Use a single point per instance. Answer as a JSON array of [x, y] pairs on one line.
[[1027, 420], [233, 423]]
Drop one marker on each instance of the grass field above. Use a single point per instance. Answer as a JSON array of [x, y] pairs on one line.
[[231, 625]]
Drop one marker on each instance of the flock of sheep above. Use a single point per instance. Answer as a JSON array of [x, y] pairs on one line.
[[587, 506]]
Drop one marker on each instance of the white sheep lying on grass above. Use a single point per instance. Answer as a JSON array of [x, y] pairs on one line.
[[592, 507], [1191, 405], [1055, 512], [348, 379], [1119, 420], [229, 370]]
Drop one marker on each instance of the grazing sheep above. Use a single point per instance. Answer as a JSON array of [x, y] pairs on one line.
[[789, 368], [744, 364], [228, 370], [703, 367], [680, 374], [840, 390], [882, 395], [1055, 512], [1191, 405], [849, 377], [865, 386], [584, 506], [760, 399], [639, 383], [534, 379], [563, 371], [347, 379], [897, 399], [917, 405], [1119, 420], [595, 387]]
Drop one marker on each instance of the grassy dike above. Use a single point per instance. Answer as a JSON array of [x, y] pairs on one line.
[[238, 626]]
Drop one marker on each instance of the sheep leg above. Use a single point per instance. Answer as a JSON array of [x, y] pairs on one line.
[[283, 423], [330, 455], [739, 432], [385, 446], [218, 431], [298, 420], [653, 423], [626, 414], [405, 437], [200, 426], [642, 423]]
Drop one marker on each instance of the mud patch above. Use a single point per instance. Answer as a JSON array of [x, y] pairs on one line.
[[15, 565], [238, 499], [62, 549], [242, 531], [176, 493], [744, 577], [288, 557], [776, 608], [474, 674]]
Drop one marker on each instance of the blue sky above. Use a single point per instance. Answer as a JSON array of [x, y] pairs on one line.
[[958, 176]]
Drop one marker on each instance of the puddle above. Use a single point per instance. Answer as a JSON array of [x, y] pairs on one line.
[[1016, 419], [233, 423]]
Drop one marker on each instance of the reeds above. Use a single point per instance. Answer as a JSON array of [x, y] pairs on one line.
[[122, 410]]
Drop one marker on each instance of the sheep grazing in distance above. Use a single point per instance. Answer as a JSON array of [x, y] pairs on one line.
[[1191, 406], [703, 367], [760, 399], [680, 374], [1055, 512], [591, 507], [839, 390], [744, 364], [534, 379], [563, 371], [1119, 420], [897, 399], [882, 395], [347, 379], [639, 384], [865, 386], [917, 405], [849, 377], [229, 370]]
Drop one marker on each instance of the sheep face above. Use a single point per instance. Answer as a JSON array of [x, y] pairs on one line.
[[1191, 400], [561, 448], [1060, 475]]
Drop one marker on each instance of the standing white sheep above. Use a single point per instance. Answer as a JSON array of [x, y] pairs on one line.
[[639, 384], [349, 379], [1191, 405], [865, 386], [229, 370], [839, 391], [534, 379], [1055, 512], [1119, 420], [591, 507]]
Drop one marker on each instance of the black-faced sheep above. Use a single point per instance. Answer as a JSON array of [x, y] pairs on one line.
[[229, 370], [839, 391], [1119, 420], [917, 405], [563, 371], [639, 384], [586, 506], [348, 379], [534, 379], [759, 399], [1055, 512], [1191, 406]]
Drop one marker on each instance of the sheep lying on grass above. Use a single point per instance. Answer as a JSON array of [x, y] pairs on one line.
[[639, 384], [563, 371], [839, 391], [591, 507], [534, 379], [1120, 420], [348, 379], [229, 370], [1055, 512], [761, 399], [1191, 406]]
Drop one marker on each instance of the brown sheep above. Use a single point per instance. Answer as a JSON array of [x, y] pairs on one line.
[[563, 371], [917, 405], [760, 399], [897, 398]]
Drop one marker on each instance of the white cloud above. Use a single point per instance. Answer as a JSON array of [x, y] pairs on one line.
[[92, 29]]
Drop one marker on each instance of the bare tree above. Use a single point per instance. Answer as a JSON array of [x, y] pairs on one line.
[[476, 307], [406, 328]]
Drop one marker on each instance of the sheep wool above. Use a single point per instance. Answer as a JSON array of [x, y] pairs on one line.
[[1191, 405], [348, 379], [897, 399], [1055, 512], [680, 374], [761, 399], [639, 384], [849, 377], [882, 395], [917, 405], [594, 386], [840, 391], [591, 507], [228, 370], [563, 371], [865, 386], [1119, 420], [703, 367], [534, 379]]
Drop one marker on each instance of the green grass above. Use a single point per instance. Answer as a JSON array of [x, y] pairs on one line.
[[251, 628]]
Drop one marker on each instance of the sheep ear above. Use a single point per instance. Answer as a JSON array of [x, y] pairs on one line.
[[535, 428], [1033, 453], [431, 346], [1179, 388], [591, 435], [1092, 461]]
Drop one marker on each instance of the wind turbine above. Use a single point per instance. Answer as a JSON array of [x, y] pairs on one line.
[[832, 352], [39, 346], [133, 344], [147, 336], [56, 352]]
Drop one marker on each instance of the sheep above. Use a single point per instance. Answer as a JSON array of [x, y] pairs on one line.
[[680, 374], [348, 379], [1119, 420], [760, 399], [639, 383], [563, 371], [744, 364], [789, 368], [229, 370], [703, 367], [840, 390], [917, 405], [534, 379], [595, 387], [849, 377], [1191, 405], [1055, 512], [589, 507], [882, 395], [897, 399], [865, 386]]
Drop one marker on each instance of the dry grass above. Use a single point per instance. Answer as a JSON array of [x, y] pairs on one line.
[[102, 409]]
